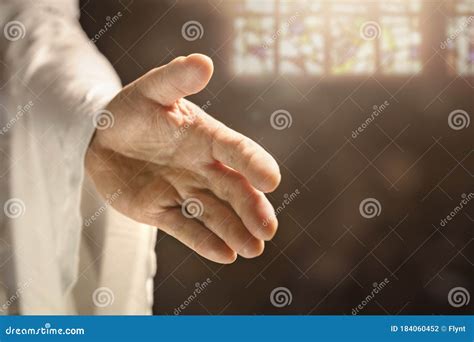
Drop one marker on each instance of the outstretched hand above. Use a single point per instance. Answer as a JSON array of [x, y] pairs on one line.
[[180, 169]]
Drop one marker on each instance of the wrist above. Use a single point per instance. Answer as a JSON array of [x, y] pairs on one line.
[[95, 155]]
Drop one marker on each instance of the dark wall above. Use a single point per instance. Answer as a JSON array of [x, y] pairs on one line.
[[325, 252]]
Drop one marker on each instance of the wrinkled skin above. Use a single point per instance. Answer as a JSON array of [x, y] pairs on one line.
[[181, 170]]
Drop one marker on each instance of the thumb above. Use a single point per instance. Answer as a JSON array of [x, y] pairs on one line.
[[181, 77]]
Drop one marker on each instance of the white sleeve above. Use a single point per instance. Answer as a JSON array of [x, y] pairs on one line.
[[54, 79], [46, 51]]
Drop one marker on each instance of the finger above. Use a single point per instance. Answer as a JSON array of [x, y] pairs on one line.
[[253, 208], [197, 237], [224, 222], [247, 157], [181, 77]]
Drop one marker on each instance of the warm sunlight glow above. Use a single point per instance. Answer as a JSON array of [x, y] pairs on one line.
[[310, 37], [460, 38]]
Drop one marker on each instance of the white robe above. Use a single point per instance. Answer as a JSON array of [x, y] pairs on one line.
[[52, 80]]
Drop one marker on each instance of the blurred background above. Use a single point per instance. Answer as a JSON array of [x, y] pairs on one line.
[[367, 107]]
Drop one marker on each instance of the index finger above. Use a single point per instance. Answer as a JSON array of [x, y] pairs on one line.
[[247, 157]]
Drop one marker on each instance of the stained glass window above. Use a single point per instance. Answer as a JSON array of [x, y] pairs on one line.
[[338, 37], [351, 51], [254, 47], [401, 37], [301, 39], [460, 37], [301, 47]]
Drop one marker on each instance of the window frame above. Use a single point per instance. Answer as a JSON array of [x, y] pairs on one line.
[[325, 14]]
